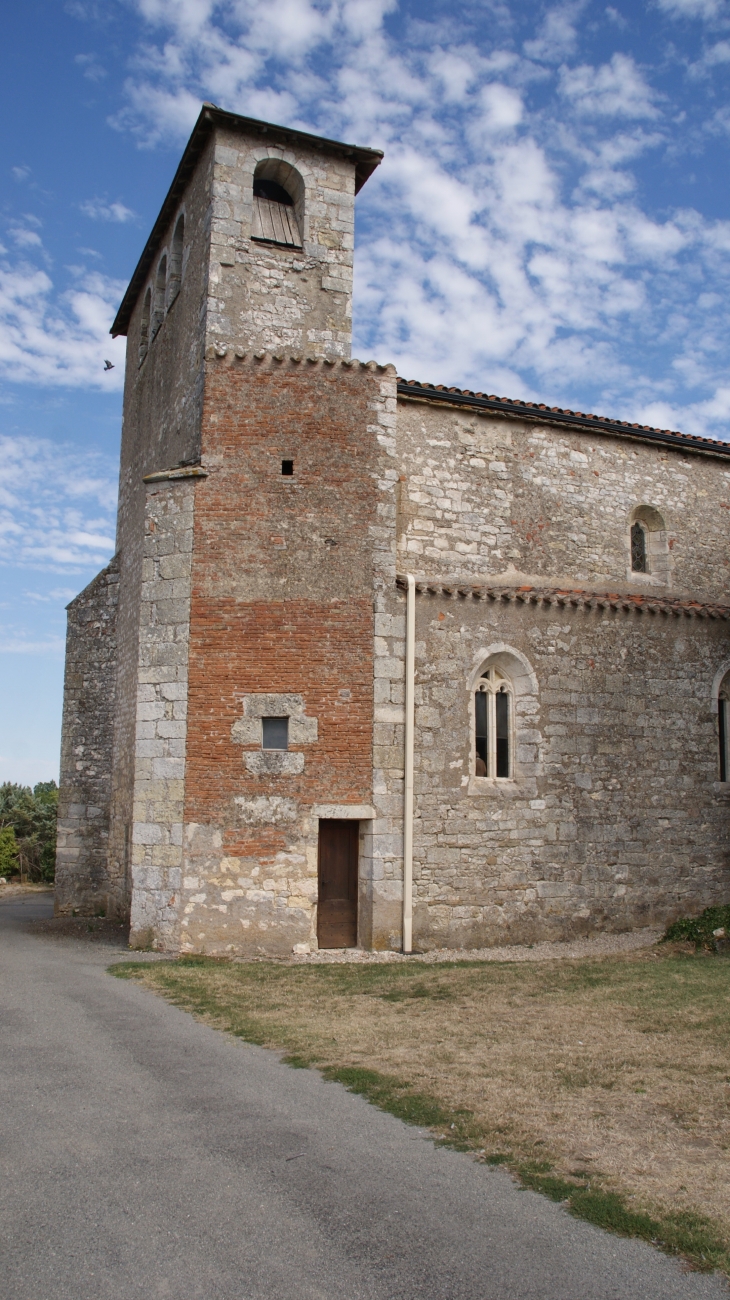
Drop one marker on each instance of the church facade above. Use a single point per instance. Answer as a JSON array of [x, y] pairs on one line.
[[378, 663]]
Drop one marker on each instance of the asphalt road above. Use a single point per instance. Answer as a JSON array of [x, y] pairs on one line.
[[145, 1155]]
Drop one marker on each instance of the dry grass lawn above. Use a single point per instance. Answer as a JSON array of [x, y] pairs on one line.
[[602, 1077]]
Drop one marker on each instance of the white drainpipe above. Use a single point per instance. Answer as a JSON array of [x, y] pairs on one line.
[[408, 766]]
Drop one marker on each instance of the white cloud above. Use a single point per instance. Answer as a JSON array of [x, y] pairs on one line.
[[615, 17], [63, 338], [501, 107], [503, 243], [53, 596], [26, 238], [21, 173], [617, 89], [707, 9], [21, 644], [101, 210], [57, 506], [557, 36], [92, 68]]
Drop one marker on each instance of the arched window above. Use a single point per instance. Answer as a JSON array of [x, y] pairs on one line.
[[648, 543], [638, 548], [723, 719], [176, 260], [278, 204], [160, 293], [144, 329], [494, 725]]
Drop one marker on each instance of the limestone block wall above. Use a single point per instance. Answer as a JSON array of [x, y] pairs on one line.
[[84, 883], [262, 296], [161, 429], [615, 817], [486, 495], [161, 714]]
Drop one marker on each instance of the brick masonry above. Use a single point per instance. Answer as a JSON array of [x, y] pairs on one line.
[[284, 572]]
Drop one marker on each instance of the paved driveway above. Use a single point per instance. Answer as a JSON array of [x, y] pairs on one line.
[[145, 1155]]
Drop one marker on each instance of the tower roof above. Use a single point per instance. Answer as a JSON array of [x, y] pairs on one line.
[[365, 161]]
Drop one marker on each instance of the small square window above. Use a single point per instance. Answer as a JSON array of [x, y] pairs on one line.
[[287, 468], [274, 733]]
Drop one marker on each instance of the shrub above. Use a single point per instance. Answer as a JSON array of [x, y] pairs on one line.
[[699, 930]]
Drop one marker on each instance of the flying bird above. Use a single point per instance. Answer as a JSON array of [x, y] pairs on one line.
[[108, 365]]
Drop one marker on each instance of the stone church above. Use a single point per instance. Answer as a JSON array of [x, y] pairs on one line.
[[378, 662]]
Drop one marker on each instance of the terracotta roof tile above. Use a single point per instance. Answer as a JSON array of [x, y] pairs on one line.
[[634, 602]]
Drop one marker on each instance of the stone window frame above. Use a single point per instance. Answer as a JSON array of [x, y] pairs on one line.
[[297, 175], [517, 670], [493, 681], [658, 565], [247, 730], [721, 710]]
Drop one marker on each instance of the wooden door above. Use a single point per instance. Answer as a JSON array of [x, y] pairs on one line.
[[337, 901]]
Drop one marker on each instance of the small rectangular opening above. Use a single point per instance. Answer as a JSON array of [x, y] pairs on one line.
[[722, 723], [274, 733], [287, 467]]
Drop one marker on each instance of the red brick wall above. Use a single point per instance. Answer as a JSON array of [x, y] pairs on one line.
[[321, 651], [282, 584]]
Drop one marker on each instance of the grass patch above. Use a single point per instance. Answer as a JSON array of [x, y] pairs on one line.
[[602, 1084]]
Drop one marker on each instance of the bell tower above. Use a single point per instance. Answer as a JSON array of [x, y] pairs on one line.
[[282, 238]]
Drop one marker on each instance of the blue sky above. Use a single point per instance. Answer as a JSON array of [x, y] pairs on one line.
[[552, 222]]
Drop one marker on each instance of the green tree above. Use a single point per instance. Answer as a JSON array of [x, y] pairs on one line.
[[30, 816], [8, 852]]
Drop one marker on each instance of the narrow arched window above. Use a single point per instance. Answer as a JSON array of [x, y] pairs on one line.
[[278, 195], [144, 329], [176, 259], [723, 718], [494, 725], [649, 544], [158, 314], [638, 548]]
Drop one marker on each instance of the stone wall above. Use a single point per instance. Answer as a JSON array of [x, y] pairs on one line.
[[615, 817], [84, 884], [275, 298], [486, 495], [161, 429], [161, 715]]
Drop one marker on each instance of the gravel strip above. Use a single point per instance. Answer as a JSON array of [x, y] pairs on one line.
[[600, 945]]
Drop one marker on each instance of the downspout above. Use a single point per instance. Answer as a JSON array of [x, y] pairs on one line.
[[408, 765]]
